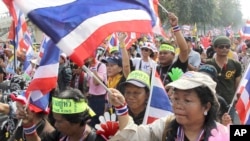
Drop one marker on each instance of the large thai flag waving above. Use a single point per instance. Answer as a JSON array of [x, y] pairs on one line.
[[77, 27], [243, 104], [159, 104]]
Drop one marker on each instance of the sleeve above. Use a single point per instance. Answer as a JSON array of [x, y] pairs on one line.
[[102, 72], [238, 69], [133, 132]]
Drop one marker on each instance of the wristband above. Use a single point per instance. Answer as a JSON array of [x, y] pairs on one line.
[[176, 28], [28, 130], [122, 110], [122, 45]]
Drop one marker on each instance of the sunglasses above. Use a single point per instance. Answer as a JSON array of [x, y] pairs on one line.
[[145, 49], [223, 46]]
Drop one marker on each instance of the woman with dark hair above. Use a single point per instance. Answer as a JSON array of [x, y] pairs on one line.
[[136, 93], [72, 114], [195, 108]]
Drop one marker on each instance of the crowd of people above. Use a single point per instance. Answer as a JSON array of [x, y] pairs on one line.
[[200, 92]]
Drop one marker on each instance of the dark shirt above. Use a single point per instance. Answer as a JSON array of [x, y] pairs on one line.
[[226, 78], [138, 119], [163, 70]]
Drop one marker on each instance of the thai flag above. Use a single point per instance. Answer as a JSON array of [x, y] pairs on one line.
[[45, 77], [245, 31], [35, 104], [78, 27], [20, 34], [159, 104], [243, 104], [44, 43], [228, 30], [129, 40], [157, 29]]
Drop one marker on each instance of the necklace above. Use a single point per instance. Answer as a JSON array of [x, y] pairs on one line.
[[220, 65]]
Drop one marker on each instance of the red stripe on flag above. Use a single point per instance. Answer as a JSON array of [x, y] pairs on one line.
[[84, 51], [43, 84], [151, 119]]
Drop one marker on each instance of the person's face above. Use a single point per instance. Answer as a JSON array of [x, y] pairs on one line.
[[113, 69], [145, 52], [64, 126], [222, 49], [136, 97], [165, 57], [187, 107]]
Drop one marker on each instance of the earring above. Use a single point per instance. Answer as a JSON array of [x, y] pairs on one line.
[[205, 113]]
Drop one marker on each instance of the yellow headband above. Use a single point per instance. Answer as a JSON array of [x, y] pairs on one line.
[[166, 47], [69, 106]]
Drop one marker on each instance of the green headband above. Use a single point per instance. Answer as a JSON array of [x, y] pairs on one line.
[[166, 47], [69, 106]]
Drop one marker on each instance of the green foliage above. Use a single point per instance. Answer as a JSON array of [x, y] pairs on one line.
[[211, 13]]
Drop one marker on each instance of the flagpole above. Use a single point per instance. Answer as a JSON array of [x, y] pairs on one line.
[[98, 80], [235, 95], [163, 8]]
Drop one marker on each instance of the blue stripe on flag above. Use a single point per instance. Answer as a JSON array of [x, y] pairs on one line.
[[160, 99], [42, 102], [51, 54], [64, 15]]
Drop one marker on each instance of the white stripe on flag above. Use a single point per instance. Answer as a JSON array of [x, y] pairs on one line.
[[245, 97], [36, 4], [36, 95], [47, 71], [158, 113], [75, 38]]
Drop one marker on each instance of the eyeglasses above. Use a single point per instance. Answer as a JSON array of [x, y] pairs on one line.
[[223, 46], [145, 49]]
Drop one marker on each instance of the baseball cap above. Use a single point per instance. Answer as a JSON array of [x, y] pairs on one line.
[[113, 60], [192, 79], [138, 78], [221, 40], [148, 45]]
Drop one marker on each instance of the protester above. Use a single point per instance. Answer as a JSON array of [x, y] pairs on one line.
[[229, 71], [194, 58], [16, 106], [71, 113], [137, 88], [118, 67], [194, 105], [167, 57], [78, 78], [223, 116], [96, 93], [145, 63]]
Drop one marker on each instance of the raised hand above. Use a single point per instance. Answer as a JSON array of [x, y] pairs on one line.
[[116, 98], [173, 20]]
